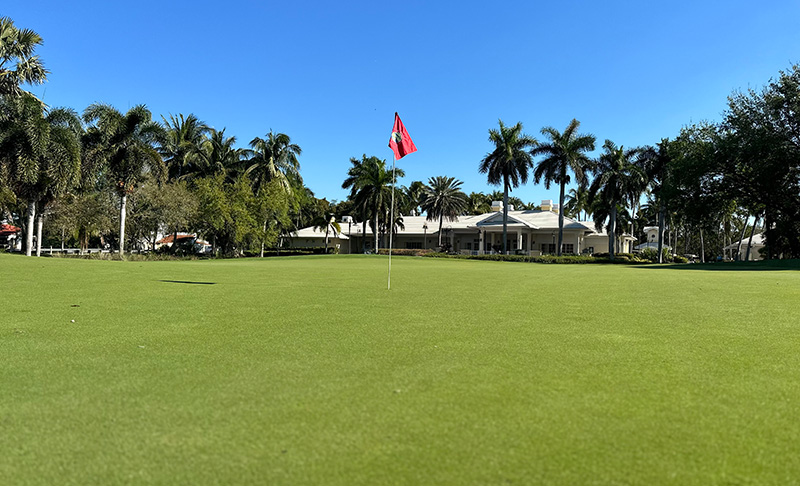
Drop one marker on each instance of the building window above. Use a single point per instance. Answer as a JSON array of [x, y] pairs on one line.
[[548, 248], [569, 248], [413, 245]]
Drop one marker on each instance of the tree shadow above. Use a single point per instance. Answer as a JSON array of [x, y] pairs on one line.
[[188, 282], [759, 266]]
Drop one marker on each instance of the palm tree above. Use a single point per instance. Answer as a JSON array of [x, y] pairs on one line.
[[18, 64], [656, 163], [39, 154], [563, 152], [61, 166], [413, 198], [577, 204], [182, 146], [616, 177], [126, 145], [218, 154], [508, 163], [478, 203], [327, 223], [274, 158], [443, 199], [370, 184]]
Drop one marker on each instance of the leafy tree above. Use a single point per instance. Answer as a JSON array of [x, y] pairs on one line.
[[508, 163], [272, 205], [170, 207], [761, 146], [125, 144], [226, 215], [18, 64], [564, 152], [443, 199]]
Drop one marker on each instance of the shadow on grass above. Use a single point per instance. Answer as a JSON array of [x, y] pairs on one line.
[[760, 266], [188, 282]]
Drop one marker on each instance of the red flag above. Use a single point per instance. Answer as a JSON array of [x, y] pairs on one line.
[[400, 142]]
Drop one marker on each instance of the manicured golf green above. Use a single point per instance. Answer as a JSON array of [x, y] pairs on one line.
[[308, 371]]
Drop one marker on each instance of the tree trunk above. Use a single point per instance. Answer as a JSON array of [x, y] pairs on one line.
[[767, 226], [264, 235], [702, 247], [327, 228], [561, 214], [661, 234], [122, 213], [375, 229], [741, 239], [612, 240], [39, 224], [364, 235], [750, 241], [31, 215], [441, 220], [63, 237], [505, 216]]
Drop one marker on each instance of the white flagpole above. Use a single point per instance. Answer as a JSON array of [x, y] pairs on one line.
[[391, 229]]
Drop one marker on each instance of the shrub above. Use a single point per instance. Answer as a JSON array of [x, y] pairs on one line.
[[405, 252], [679, 259], [651, 255]]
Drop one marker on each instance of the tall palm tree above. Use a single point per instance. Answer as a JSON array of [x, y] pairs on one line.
[[657, 163], [564, 152], [218, 154], [126, 144], [616, 177], [18, 64], [274, 158], [508, 163], [39, 154], [443, 199], [370, 183], [182, 145], [61, 166]]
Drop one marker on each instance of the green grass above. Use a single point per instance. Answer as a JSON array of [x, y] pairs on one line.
[[308, 371]]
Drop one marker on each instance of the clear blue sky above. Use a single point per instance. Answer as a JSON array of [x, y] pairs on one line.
[[332, 74]]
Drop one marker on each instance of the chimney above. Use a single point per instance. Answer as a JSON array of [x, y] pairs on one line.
[[497, 206], [547, 204], [555, 208]]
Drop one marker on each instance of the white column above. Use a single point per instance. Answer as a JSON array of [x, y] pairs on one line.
[[480, 247], [530, 237], [519, 239]]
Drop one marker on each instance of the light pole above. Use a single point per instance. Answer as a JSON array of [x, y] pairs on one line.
[[425, 237]]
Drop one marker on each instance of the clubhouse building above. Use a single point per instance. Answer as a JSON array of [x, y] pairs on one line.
[[530, 232]]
